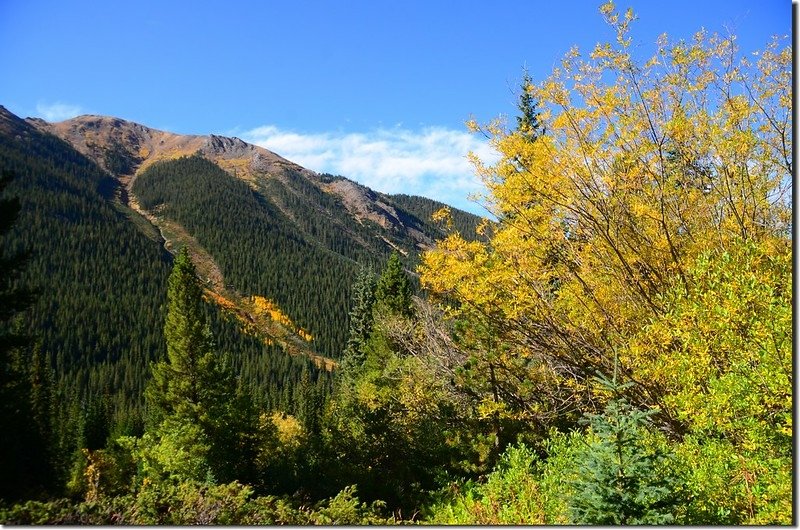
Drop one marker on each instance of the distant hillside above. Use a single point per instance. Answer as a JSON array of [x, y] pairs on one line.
[[423, 208], [258, 224], [101, 277]]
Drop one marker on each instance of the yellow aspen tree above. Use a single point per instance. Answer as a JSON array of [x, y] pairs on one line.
[[646, 166]]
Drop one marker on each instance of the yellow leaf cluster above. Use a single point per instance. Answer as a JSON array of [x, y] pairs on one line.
[[644, 169], [265, 307], [289, 430]]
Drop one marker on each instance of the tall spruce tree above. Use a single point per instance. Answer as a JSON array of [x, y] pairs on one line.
[[194, 389], [528, 124], [393, 292], [192, 380], [361, 318]]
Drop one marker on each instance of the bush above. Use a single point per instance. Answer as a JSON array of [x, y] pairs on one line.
[[193, 503], [510, 495]]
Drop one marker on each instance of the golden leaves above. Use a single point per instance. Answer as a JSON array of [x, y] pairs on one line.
[[644, 168], [261, 306]]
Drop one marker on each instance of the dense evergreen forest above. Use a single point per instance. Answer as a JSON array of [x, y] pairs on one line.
[[286, 240], [423, 208], [255, 245], [97, 313], [615, 349]]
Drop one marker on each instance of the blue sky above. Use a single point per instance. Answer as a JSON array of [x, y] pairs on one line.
[[375, 90]]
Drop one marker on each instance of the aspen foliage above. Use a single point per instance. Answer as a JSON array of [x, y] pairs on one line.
[[644, 168], [649, 224], [265, 307]]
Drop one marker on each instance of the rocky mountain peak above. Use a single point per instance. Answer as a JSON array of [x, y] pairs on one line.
[[126, 148]]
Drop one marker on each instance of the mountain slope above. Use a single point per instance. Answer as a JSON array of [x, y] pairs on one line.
[[464, 223], [260, 225], [99, 279], [125, 148], [257, 248], [101, 282]]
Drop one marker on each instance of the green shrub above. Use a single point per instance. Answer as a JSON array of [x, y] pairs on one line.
[[510, 495]]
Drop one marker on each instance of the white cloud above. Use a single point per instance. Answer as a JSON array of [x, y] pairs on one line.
[[58, 111], [431, 162]]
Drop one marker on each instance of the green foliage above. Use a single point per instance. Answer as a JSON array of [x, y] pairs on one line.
[[393, 290], [388, 432], [617, 472], [708, 465], [191, 503], [13, 298], [176, 451], [199, 428], [64, 512], [388, 422], [511, 495], [618, 478], [193, 379], [346, 509], [98, 314], [119, 160], [100, 280], [723, 352], [361, 319], [282, 452], [529, 123]]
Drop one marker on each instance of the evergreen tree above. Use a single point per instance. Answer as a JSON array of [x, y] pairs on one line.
[[393, 291], [308, 403], [194, 390], [620, 479], [528, 124], [192, 380], [42, 385], [386, 426], [361, 319]]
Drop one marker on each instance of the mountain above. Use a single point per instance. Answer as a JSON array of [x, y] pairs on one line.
[[262, 229], [105, 201], [125, 149], [100, 282]]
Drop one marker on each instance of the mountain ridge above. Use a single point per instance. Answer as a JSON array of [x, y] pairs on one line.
[[329, 224], [125, 148]]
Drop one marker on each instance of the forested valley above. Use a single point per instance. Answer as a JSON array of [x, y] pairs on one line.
[[613, 347]]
